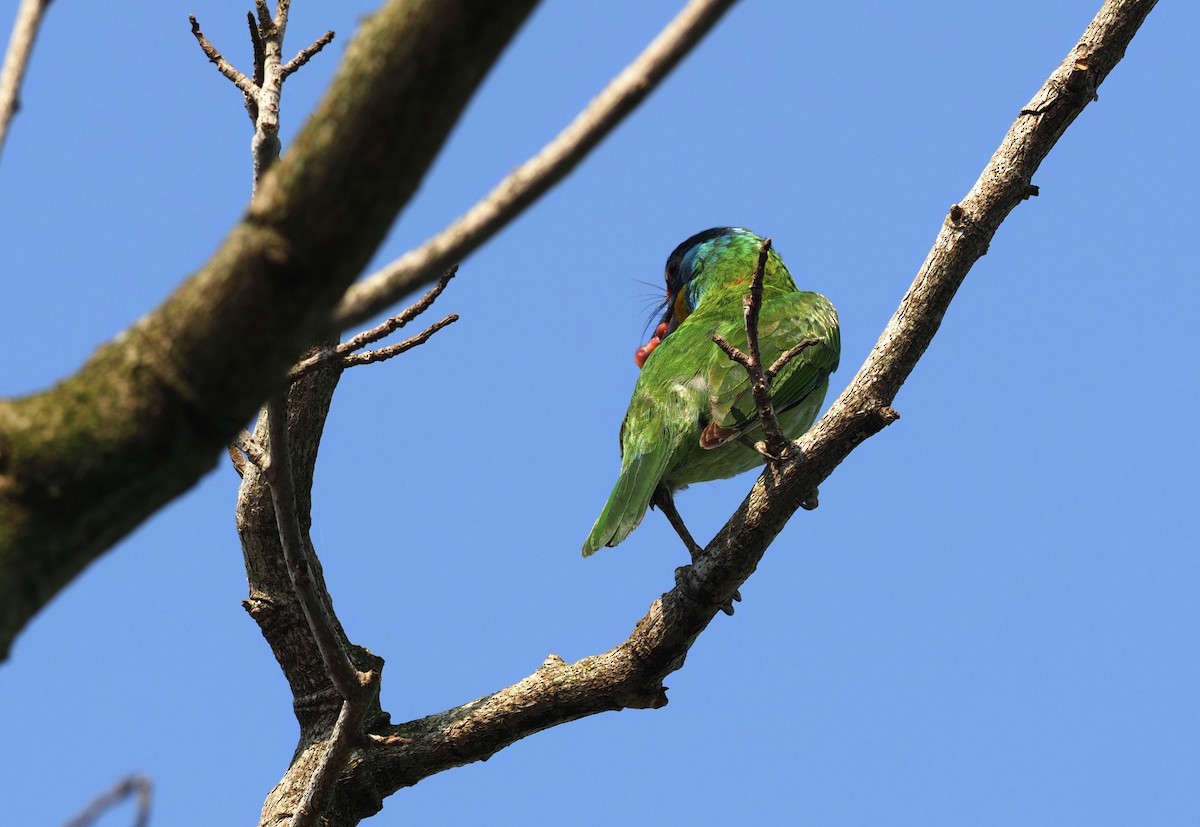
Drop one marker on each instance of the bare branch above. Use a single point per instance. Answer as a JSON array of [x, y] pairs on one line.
[[537, 175], [223, 66], [133, 784], [265, 146], [265, 22], [306, 54], [370, 357], [16, 60], [788, 355], [347, 733], [778, 445], [346, 679], [374, 334], [282, 8], [260, 59]]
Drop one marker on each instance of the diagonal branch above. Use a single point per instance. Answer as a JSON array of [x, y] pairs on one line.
[[537, 175], [16, 60], [631, 674], [223, 66], [306, 54]]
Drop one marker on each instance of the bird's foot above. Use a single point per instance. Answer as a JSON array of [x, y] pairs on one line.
[[774, 459], [684, 581]]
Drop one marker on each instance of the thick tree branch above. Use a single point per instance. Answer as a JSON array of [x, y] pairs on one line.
[[631, 674], [537, 175], [329, 726], [154, 409], [346, 679], [16, 60]]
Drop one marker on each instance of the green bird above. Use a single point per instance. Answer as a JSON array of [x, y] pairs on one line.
[[693, 417]]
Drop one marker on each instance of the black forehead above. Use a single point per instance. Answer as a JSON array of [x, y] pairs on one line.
[[676, 257]]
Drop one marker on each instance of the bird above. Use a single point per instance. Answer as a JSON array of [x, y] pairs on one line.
[[693, 417]]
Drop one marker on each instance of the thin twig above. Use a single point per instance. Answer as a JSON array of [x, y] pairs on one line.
[[523, 186], [345, 678], [374, 334], [16, 60], [778, 446], [370, 357], [133, 784], [306, 54], [787, 356], [223, 66], [404, 316]]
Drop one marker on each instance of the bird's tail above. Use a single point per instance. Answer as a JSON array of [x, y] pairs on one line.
[[629, 499]]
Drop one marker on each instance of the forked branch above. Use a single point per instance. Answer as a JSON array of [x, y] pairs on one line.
[[778, 448]]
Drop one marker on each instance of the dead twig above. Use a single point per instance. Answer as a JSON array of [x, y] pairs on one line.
[[370, 357], [778, 446], [262, 91], [248, 87], [385, 328], [306, 54]]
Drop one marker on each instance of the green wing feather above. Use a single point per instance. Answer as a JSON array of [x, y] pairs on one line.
[[786, 319], [648, 444]]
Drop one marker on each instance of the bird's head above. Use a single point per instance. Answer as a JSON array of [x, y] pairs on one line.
[[684, 275]]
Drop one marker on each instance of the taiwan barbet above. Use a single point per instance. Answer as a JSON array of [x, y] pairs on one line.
[[693, 417]]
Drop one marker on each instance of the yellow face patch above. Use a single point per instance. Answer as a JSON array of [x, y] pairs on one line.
[[680, 308]]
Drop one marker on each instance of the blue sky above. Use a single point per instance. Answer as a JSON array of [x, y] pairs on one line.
[[992, 618]]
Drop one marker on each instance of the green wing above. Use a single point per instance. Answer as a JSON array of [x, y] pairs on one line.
[[786, 319], [651, 436]]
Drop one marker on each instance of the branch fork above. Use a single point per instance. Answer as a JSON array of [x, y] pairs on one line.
[[776, 447], [262, 90]]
